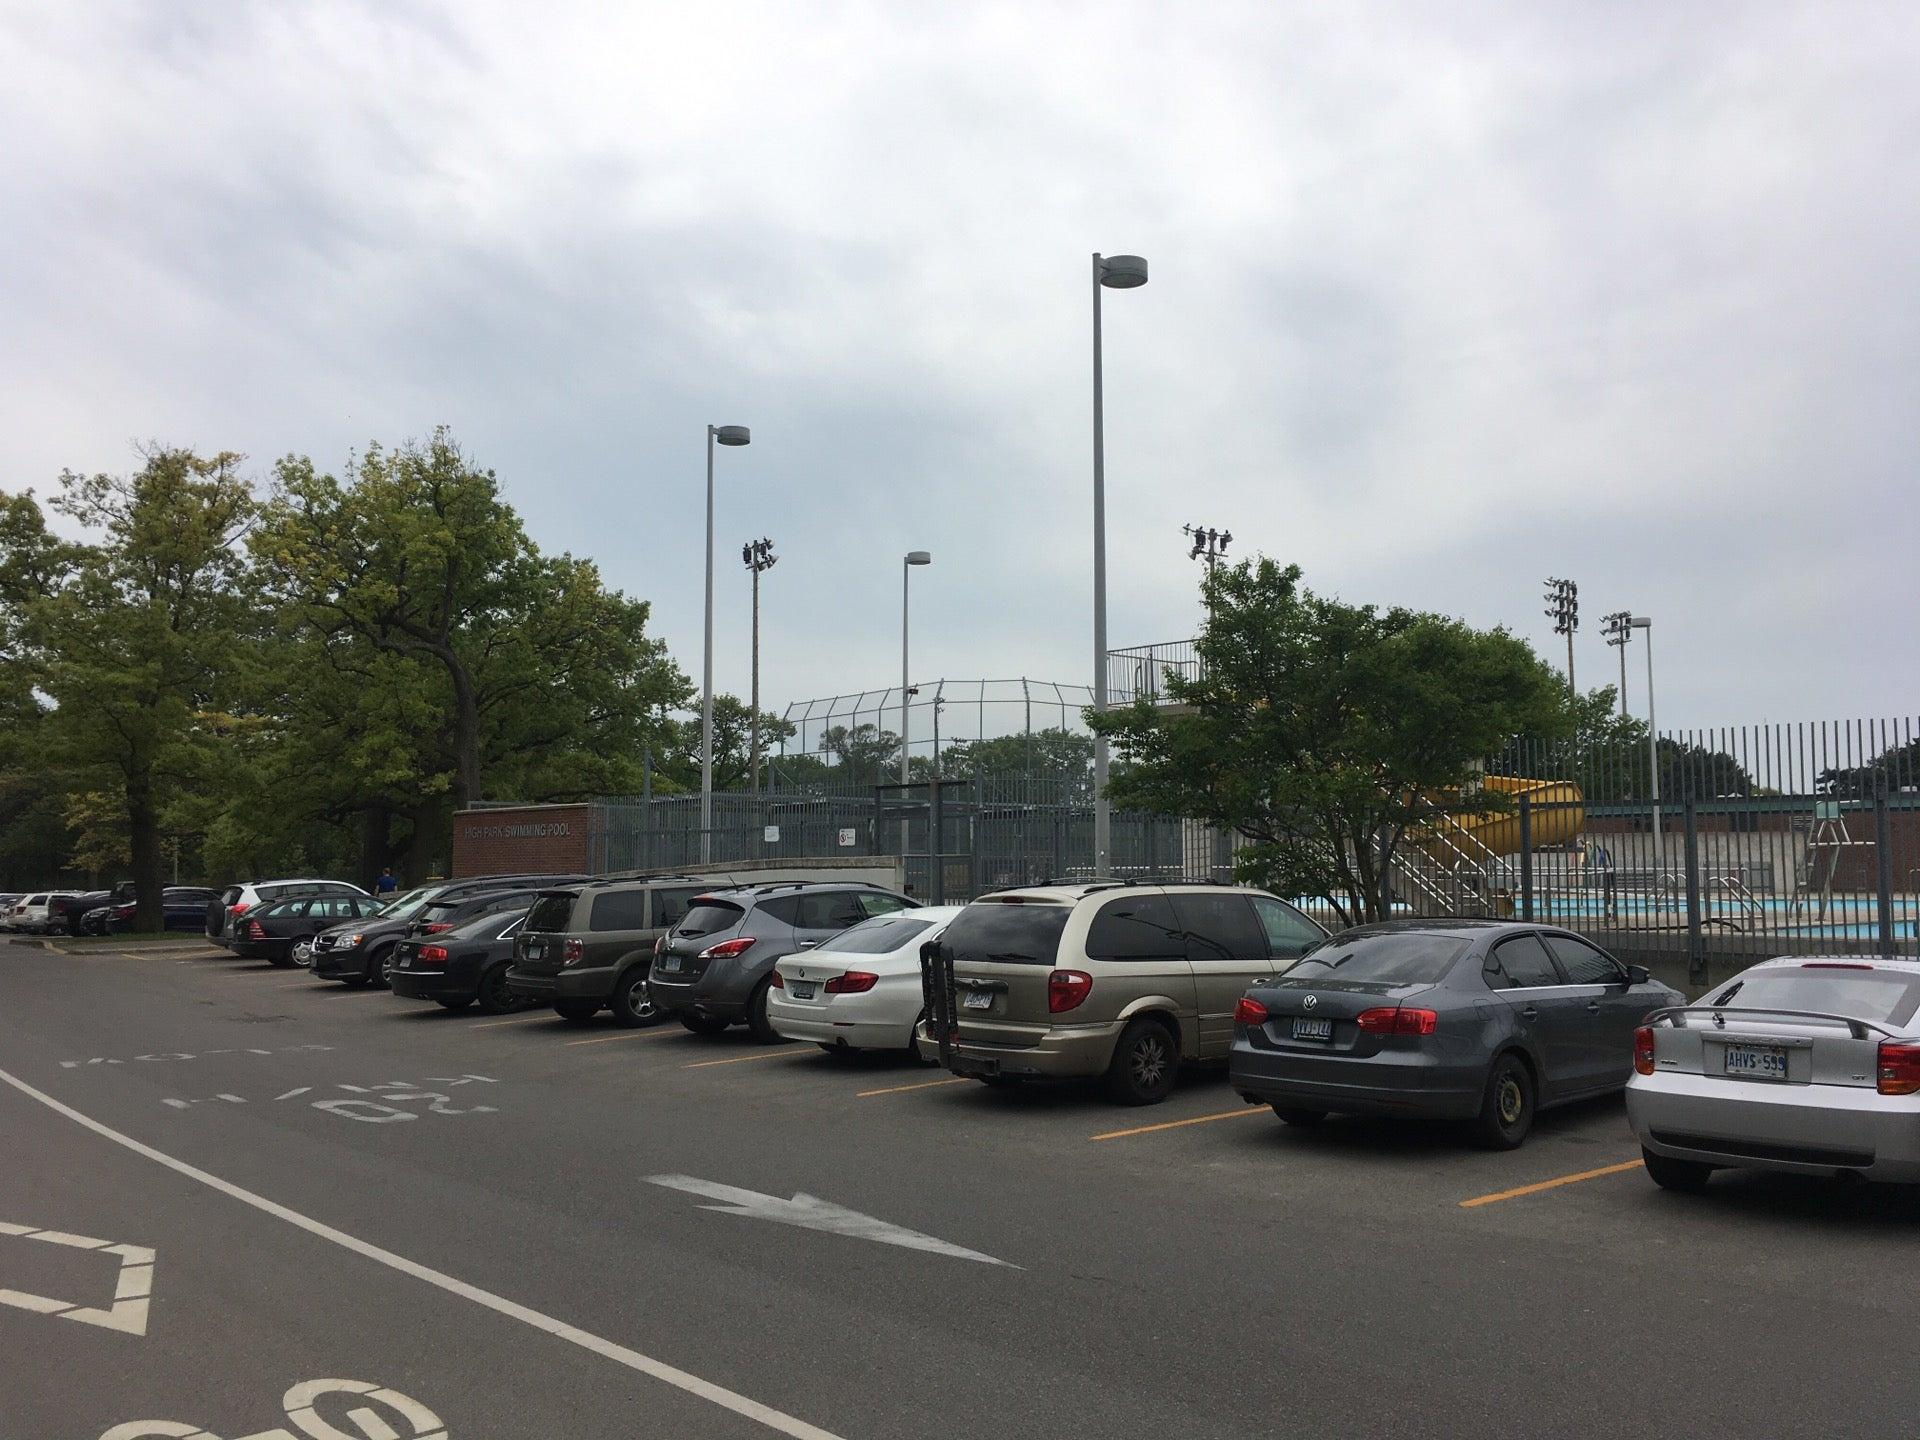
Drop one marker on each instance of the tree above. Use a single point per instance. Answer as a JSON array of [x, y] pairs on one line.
[[1053, 754], [1326, 733], [866, 753], [1892, 771], [732, 746]]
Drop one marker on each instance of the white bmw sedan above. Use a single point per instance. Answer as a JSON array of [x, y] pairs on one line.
[[1804, 1065], [861, 989]]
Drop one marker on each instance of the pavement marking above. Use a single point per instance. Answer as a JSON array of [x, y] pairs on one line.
[[625, 1035], [516, 1020], [127, 1313], [917, 1085], [775, 1420], [810, 1212], [1178, 1124], [1554, 1184], [742, 1059]]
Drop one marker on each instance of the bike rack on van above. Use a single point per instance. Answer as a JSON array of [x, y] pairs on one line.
[[938, 993]]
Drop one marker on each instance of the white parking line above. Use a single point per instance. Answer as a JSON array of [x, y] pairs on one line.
[[775, 1420]]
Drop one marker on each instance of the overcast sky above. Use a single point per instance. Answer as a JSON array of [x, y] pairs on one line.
[[1444, 299]]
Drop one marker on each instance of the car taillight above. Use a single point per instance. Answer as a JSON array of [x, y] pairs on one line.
[[1397, 1020], [1066, 989], [660, 942], [574, 952], [431, 954], [775, 982], [1643, 1050], [727, 949], [436, 927], [256, 931], [240, 907], [1899, 1069], [1249, 1011], [854, 982]]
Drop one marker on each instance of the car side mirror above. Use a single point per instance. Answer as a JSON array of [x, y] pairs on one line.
[[1638, 975]]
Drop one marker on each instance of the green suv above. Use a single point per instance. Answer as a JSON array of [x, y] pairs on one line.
[[590, 945]]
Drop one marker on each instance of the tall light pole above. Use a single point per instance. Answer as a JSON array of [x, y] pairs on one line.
[[1642, 622], [1618, 628], [757, 555], [725, 435], [1563, 608], [1117, 272], [1208, 545], [911, 559]]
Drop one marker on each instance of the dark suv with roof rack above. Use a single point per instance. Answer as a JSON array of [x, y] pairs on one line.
[[713, 969], [590, 945]]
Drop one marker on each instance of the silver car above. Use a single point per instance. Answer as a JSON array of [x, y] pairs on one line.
[[1807, 1065]]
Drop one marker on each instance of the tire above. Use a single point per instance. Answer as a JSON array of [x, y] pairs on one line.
[[454, 1002], [492, 992], [1685, 1176], [380, 967], [632, 1006], [1146, 1062], [758, 1025], [281, 962], [1506, 1110], [1300, 1115], [301, 952], [702, 1024], [576, 1012]]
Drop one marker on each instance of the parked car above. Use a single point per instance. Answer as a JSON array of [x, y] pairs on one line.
[[591, 945], [1485, 1021], [463, 964], [183, 907], [715, 967], [361, 953], [1804, 1065], [236, 900], [282, 931], [860, 989], [1122, 981], [31, 913], [65, 911]]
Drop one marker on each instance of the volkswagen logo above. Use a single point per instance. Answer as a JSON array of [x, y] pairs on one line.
[[1311, 1001]]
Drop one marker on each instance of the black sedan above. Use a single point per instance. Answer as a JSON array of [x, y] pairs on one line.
[[462, 965], [282, 932], [1483, 1021]]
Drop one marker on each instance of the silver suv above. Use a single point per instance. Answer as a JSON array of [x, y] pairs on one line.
[[712, 969]]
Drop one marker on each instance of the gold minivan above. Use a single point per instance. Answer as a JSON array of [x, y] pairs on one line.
[[1110, 979]]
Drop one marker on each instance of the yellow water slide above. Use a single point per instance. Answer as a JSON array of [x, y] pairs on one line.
[[1558, 815]]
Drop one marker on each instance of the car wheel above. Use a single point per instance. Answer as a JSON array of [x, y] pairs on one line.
[[454, 1002], [301, 952], [1670, 1174], [1146, 1061], [493, 994], [1299, 1115], [1506, 1111], [702, 1024], [576, 1011], [632, 1006], [758, 1025]]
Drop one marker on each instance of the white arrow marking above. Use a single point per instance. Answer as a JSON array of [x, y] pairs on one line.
[[128, 1313], [810, 1212]]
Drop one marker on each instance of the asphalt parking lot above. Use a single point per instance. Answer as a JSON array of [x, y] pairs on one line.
[[224, 1181]]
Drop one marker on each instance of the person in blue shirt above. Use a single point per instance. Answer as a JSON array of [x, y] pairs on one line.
[[386, 884]]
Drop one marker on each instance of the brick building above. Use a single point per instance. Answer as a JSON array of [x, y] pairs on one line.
[[524, 839]]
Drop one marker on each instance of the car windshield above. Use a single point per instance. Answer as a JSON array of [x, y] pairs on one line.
[[707, 916], [405, 905], [1862, 994], [1003, 932], [876, 937], [1392, 957]]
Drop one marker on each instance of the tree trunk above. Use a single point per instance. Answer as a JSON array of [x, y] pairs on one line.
[[143, 835], [466, 733], [376, 853]]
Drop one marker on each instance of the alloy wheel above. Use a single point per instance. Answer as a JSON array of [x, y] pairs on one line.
[[1149, 1061]]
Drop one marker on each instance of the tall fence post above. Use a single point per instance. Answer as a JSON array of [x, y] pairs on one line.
[[1696, 944], [936, 833], [1883, 853], [1526, 858]]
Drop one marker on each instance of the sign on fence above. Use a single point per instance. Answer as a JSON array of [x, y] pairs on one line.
[[771, 835], [848, 838]]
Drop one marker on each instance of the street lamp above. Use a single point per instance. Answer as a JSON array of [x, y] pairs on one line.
[[1563, 608], [757, 556], [725, 435], [1642, 622], [1618, 628], [908, 561], [1116, 272]]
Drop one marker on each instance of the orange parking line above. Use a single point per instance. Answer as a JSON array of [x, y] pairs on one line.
[[1518, 1191], [1177, 1124], [789, 1054], [917, 1085], [516, 1020], [626, 1035]]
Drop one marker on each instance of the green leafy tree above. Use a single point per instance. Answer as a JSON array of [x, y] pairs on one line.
[[1054, 753], [863, 754], [679, 767], [1324, 733]]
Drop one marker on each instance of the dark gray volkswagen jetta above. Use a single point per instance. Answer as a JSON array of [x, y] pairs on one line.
[[1480, 1020]]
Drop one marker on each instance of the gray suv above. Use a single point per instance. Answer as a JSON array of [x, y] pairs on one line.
[[712, 969], [589, 945]]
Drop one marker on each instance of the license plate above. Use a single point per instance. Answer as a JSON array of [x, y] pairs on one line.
[[668, 965], [1305, 1029], [535, 950], [800, 990], [978, 1000], [1757, 1062]]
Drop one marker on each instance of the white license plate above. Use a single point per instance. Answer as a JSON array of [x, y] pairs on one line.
[[1757, 1062], [978, 1000], [668, 965], [801, 990], [1305, 1029], [535, 950]]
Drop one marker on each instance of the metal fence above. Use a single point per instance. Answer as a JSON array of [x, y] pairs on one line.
[[939, 713]]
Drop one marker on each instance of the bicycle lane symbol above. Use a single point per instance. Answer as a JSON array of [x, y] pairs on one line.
[[299, 1403]]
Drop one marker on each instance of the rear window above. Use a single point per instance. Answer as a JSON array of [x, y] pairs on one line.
[[670, 906], [439, 910], [875, 937], [997, 932], [551, 913], [709, 916], [1392, 958], [1881, 995], [619, 910]]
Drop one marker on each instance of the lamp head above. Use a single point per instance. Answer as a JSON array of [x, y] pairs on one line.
[[731, 434], [1122, 272], [919, 557]]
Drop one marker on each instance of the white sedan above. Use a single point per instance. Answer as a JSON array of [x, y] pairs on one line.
[[861, 989]]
